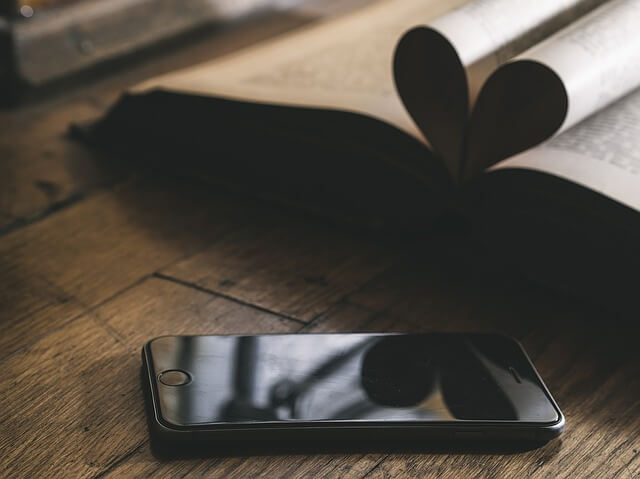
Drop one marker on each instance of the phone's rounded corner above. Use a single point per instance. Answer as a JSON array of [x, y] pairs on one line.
[[163, 428], [560, 425], [552, 430]]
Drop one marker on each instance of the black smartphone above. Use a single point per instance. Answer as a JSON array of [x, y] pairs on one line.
[[344, 387]]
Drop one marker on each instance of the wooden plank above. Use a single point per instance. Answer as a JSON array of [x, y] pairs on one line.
[[62, 404], [157, 307], [72, 404], [296, 268], [40, 169], [142, 464], [85, 254]]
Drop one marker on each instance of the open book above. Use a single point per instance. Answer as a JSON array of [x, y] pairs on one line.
[[521, 112]]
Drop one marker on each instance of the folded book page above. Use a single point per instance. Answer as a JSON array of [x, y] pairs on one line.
[[439, 67], [601, 153]]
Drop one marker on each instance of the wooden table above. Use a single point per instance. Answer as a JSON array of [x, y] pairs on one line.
[[95, 260]]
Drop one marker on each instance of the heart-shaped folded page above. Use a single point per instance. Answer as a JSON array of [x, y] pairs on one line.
[[432, 83], [473, 103]]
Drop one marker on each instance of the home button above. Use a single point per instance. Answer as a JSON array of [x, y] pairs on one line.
[[174, 377]]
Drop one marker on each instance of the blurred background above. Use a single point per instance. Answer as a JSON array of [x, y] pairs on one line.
[[43, 42]]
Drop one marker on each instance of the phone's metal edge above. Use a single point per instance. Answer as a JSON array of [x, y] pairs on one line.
[[553, 429], [542, 431]]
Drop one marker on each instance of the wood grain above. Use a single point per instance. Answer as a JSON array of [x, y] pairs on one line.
[[142, 464], [90, 251], [60, 404], [157, 307], [39, 171], [295, 268]]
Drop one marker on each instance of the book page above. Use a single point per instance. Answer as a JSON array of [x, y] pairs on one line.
[[341, 64], [597, 58], [601, 153]]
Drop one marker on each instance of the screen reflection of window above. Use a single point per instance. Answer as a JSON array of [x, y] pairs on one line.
[[347, 377]]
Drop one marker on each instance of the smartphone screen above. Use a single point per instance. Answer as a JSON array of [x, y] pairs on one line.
[[337, 378]]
